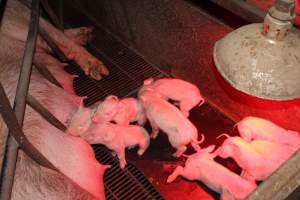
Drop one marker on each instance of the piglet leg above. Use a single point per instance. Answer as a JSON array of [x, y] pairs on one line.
[[180, 151], [142, 120], [121, 156], [155, 128], [177, 172]]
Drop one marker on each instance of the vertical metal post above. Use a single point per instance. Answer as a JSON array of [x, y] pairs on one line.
[[10, 157]]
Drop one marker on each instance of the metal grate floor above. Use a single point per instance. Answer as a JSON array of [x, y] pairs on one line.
[[127, 70], [129, 183], [127, 73]]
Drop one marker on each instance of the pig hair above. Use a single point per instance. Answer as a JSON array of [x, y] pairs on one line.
[[223, 134]]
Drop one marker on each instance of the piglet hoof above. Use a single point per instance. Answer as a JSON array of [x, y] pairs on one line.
[[154, 135], [114, 154], [123, 164], [176, 155], [141, 152], [80, 36], [171, 178]]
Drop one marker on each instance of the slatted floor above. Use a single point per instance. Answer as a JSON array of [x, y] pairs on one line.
[[127, 70], [127, 73]]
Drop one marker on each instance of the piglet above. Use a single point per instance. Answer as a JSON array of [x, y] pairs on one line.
[[254, 128], [130, 110], [117, 138], [80, 120], [202, 167], [106, 110], [187, 94], [258, 159], [165, 116]]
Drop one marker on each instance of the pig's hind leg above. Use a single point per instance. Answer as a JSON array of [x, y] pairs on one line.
[[177, 172], [154, 127], [80, 35], [185, 172], [144, 144], [90, 64]]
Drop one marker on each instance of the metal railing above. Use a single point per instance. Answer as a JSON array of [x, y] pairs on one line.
[[14, 117]]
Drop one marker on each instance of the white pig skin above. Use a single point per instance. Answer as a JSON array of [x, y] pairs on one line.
[[129, 110], [79, 175], [57, 70], [80, 121], [202, 167], [163, 115], [254, 128], [106, 110], [187, 94], [258, 159], [117, 138], [15, 25]]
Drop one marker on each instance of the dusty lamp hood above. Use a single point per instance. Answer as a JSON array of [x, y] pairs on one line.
[[263, 60]]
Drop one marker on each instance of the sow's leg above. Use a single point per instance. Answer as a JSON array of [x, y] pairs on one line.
[[82, 175], [15, 25]]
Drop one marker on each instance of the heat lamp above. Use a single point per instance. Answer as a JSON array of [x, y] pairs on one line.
[[263, 59]]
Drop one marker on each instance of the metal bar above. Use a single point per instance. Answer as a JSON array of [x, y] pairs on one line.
[[2, 6], [52, 15], [242, 9], [16, 131], [45, 113], [281, 183], [61, 12], [47, 74], [52, 45], [47, 38], [16, 122]]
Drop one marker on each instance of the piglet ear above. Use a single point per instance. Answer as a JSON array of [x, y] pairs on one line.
[[113, 97], [148, 81], [81, 103]]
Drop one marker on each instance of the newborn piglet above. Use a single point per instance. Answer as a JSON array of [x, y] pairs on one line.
[[117, 138], [130, 110], [254, 128], [123, 111], [106, 110], [258, 159], [186, 94], [165, 116], [80, 121], [202, 167]]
